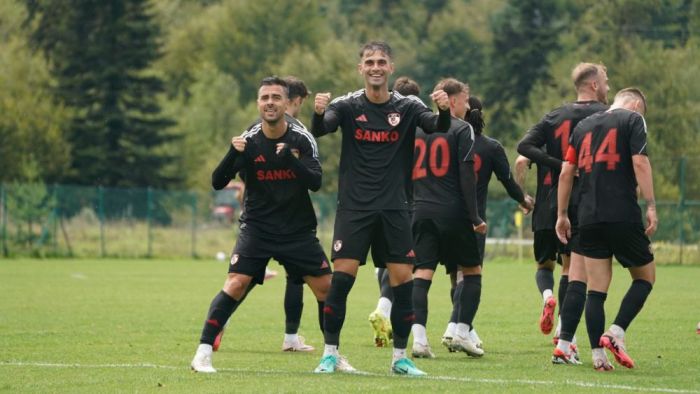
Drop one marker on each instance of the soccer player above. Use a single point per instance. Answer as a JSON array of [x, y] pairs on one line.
[[278, 160], [545, 145], [609, 150], [374, 182], [294, 291], [445, 219], [489, 158], [379, 320]]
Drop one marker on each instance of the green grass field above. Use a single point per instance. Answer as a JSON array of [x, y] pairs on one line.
[[133, 325]]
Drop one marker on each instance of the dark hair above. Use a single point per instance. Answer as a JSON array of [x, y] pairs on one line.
[[406, 86], [451, 86], [376, 46], [475, 116], [632, 93], [297, 88], [275, 80]]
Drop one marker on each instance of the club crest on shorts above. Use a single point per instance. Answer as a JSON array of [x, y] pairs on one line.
[[234, 259], [393, 118], [337, 245]]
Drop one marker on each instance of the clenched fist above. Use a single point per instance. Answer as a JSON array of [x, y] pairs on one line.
[[440, 98], [321, 102]]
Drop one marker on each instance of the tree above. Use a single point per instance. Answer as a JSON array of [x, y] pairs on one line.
[[100, 53], [524, 34], [32, 144]]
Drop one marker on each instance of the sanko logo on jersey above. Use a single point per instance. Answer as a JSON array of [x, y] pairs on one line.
[[275, 175], [376, 135]]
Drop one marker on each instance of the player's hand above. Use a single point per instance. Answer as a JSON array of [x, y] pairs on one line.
[[563, 229], [652, 221], [239, 143], [321, 102], [527, 205], [481, 228], [441, 99], [283, 150]]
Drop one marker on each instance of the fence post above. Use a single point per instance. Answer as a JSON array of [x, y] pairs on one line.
[[101, 215], [149, 204], [3, 210], [194, 225], [681, 206]]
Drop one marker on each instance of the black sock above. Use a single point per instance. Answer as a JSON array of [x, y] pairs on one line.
[[293, 306], [633, 302], [321, 304], [470, 298], [595, 316], [455, 293], [544, 279], [561, 293], [420, 300], [402, 316], [334, 309], [220, 310], [385, 287], [572, 309]]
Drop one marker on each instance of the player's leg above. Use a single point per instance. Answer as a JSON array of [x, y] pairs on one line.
[[545, 253], [397, 233], [631, 248], [293, 307], [463, 249], [426, 238], [565, 258], [571, 309], [220, 337], [456, 286], [379, 319], [351, 242], [242, 271], [423, 278], [599, 274]]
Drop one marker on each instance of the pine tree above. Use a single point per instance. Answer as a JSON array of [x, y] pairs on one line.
[[100, 52]]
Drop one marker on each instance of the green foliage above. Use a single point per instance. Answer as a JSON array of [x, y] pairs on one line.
[[32, 142], [100, 55]]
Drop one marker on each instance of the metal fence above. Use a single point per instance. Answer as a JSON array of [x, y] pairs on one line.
[[73, 221]]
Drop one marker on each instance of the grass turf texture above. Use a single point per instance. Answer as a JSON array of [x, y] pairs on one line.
[[133, 325]]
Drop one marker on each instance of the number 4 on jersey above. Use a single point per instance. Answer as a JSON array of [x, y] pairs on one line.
[[606, 152]]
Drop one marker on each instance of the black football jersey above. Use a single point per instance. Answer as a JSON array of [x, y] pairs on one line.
[[490, 158], [276, 200], [436, 172], [377, 147], [602, 147]]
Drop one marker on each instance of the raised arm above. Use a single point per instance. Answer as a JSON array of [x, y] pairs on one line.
[[232, 162], [325, 119], [431, 123]]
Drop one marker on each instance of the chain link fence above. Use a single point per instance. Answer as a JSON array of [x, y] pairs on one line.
[[73, 221]]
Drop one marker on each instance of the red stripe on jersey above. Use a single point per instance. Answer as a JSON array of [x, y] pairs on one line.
[[571, 155]]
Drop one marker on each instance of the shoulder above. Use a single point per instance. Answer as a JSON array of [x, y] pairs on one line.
[[410, 100], [300, 132], [348, 97], [253, 130]]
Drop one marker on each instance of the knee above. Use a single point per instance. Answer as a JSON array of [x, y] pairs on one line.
[[236, 286], [547, 265]]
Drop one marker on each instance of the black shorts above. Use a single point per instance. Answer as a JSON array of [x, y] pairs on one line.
[[301, 255], [447, 241], [388, 231], [548, 247], [626, 241]]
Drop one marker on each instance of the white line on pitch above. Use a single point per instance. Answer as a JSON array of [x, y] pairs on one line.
[[370, 374]]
